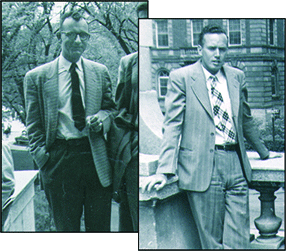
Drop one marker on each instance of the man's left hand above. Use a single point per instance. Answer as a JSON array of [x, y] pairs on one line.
[[94, 123]]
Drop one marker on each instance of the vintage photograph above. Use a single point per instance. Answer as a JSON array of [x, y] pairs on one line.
[[143, 125], [70, 116], [211, 133]]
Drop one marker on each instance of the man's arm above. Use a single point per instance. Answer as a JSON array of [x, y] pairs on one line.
[[250, 130], [125, 96], [121, 89], [175, 108], [35, 121]]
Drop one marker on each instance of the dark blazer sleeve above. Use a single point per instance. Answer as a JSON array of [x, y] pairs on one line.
[[34, 119], [126, 98], [250, 129]]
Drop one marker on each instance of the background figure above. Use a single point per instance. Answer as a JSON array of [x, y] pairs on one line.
[[7, 130], [207, 112], [123, 139], [8, 179], [69, 104]]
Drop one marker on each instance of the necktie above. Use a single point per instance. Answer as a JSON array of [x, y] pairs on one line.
[[221, 117], [77, 106]]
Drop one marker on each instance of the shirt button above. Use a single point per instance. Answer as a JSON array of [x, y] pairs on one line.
[[211, 150]]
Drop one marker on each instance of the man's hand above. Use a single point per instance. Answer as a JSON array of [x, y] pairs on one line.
[[94, 123], [157, 181]]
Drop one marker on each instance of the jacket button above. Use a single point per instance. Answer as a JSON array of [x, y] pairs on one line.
[[211, 150], [212, 134]]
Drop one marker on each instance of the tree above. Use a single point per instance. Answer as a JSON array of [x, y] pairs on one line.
[[21, 26]]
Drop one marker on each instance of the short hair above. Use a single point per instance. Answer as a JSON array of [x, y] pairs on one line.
[[74, 14], [142, 6], [211, 28]]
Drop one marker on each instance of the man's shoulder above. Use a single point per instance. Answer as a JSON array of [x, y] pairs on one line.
[[233, 70], [190, 69], [42, 69], [130, 57], [92, 64]]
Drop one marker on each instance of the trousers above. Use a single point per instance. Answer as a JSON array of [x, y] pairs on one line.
[[72, 186], [221, 213]]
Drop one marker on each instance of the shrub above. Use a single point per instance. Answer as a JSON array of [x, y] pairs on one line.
[[278, 145]]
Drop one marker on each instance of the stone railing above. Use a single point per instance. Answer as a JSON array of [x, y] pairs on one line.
[[267, 177], [21, 217], [165, 220]]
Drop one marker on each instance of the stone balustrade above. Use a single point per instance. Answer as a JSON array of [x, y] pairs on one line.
[[267, 177], [165, 220], [21, 217]]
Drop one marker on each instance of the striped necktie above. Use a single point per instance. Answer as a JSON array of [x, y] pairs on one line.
[[221, 117]]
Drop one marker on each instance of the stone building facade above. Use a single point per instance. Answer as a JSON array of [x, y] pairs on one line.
[[256, 46]]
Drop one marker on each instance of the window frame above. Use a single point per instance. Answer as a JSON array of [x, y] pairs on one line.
[[271, 21], [161, 33], [228, 32], [275, 88], [192, 31], [159, 77]]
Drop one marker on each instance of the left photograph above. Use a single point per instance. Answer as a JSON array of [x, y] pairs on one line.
[[70, 116]]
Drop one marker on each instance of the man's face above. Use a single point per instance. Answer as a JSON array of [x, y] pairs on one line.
[[213, 51], [73, 49]]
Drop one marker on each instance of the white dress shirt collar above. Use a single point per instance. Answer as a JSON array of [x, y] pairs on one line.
[[220, 76], [64, 64]]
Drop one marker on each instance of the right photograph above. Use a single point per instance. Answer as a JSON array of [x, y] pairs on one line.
[[211, 133]]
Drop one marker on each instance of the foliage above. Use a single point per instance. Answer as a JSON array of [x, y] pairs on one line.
[[29, 40]]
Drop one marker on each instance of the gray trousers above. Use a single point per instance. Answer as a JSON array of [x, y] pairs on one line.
[[221, 212]]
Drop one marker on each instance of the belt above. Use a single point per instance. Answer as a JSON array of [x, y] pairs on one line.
[[227, 147], [74, 142]]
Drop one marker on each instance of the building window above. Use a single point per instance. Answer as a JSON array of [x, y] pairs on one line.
[[197, 28], [162, 33], [163, 78], [271, 31], [274, 81], [234, 31]]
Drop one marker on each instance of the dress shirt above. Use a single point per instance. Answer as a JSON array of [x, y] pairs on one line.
[[66, 128], [222, 88]]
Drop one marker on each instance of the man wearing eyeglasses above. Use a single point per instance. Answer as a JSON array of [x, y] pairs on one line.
[[69, 105]]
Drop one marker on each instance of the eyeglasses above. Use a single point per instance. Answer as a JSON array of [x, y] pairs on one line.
[[73, 35]]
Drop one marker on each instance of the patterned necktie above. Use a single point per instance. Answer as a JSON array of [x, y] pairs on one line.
[[77, 106], [221, 117]]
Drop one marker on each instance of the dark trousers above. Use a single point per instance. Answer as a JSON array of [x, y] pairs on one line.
[[71, 185], [221, 212], [128, 208]]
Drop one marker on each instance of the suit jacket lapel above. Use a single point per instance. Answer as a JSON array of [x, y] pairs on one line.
[[198, 84], [92, 88]]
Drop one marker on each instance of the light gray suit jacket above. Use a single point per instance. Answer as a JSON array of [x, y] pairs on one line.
[[41, 100], [189, 130]]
